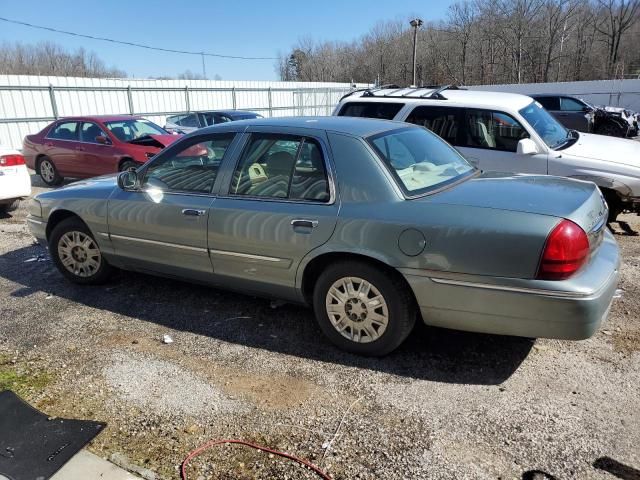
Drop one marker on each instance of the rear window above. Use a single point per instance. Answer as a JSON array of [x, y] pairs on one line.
[[419, 160], [385, 111]]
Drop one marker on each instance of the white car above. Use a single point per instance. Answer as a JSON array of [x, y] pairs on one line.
[[15, 182], [507, 132]]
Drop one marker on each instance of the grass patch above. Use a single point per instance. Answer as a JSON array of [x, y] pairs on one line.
[[19, 380]]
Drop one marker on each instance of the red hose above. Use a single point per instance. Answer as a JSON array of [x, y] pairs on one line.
[[199, 450]]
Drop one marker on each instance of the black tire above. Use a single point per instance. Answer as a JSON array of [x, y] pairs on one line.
[[90, 276], [127, 164], [399, 300], [9, 207], [50, 176], [614, 203]]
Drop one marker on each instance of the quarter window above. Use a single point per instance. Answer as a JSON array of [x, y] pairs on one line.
[[193, 169], [492, 130], [64, 131], [284, 167], [382, 110], [441, 121]]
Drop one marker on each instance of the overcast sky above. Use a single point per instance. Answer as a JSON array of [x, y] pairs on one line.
[[245, 28]]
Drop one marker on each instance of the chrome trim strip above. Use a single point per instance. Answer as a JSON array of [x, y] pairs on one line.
[[156, 242], [245, 255], [33, 220], [103, 234], [536, 291]]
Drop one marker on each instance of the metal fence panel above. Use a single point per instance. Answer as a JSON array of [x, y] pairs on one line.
[[29, 103]]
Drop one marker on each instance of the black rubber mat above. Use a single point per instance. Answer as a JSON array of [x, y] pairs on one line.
[[34, 447]]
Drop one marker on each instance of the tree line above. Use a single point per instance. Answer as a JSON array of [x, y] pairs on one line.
[[49, 58], [484, 42]]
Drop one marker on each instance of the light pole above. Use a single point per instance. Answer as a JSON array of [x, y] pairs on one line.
[[415, 23]]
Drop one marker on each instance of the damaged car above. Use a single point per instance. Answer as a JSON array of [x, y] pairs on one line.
[[82, 147]]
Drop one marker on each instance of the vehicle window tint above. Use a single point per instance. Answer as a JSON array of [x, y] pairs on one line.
[[550, 103], [207, 119], [441, 121], [90, 131], [128, 130], [492, 130], [176, 119], [190, 121], [386, 111], [192, 169], [570, 105], [281, 167], [64, 131]]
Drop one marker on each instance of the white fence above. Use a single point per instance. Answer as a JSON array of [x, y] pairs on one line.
[[617, 93], [29, 103]]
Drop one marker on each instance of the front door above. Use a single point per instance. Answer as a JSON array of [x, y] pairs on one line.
[[279, 205], [162, 226], [97, 158], [573, 115], [489, 139]]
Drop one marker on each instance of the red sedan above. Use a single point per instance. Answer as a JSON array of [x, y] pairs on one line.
[[81, 147]]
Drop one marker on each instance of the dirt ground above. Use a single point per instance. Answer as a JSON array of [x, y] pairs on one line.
[[446, 405]]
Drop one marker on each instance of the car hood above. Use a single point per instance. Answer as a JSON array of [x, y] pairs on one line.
[[575, 200], [607, 149], [157, 141]]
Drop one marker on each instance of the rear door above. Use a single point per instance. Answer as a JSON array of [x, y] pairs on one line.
[[162, 227], [279, 203], [61, 145], [97, 158]]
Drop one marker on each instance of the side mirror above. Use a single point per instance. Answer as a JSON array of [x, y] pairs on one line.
[[526, 146], [587, 109], [128, 180], [101, 139]]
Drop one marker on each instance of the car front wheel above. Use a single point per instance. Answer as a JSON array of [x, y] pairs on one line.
[[76, 254], [363, 309]]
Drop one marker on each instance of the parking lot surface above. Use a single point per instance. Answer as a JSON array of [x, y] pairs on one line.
[[446, 405]]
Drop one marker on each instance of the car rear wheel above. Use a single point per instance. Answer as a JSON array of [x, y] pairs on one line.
[[76, 254], [614, 203], [127, 164], [48, 172], [363, 309]]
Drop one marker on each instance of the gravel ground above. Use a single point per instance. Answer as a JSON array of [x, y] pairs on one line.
[[446, 405]]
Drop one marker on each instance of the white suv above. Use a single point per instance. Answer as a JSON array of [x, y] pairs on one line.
[[508, 132]]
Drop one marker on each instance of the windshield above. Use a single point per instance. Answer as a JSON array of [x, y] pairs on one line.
[[419, 160], [127, 130], [549, 129]]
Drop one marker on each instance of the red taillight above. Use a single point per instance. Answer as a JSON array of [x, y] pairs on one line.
[[565, 251], [11, 160]]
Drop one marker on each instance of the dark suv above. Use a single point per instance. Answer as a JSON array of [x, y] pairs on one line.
[[576, 114]]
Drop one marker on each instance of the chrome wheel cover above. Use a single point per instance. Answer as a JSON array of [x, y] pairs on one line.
[[47, 172], [357, 309], [79, 254]]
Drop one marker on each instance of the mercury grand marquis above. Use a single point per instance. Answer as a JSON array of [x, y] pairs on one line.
[[373, 223]]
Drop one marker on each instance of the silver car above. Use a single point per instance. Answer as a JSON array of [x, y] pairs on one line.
[[373, 223]]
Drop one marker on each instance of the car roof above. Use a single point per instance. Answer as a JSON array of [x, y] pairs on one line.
[[362, 127], [101, 118], [225, 112], [458, 97]]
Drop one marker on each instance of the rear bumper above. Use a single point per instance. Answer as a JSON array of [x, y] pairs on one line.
[[15, 182], [573, 309]]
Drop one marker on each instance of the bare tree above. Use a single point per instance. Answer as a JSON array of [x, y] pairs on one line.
[[617, 16]]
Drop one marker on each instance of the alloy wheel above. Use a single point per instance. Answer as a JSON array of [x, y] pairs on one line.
[[357, 309], [47, 171]]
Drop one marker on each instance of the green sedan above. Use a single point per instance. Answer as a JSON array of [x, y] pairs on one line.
[[373, 223]]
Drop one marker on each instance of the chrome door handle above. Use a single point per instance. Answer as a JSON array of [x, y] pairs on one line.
[[192, 212], [304, 223]]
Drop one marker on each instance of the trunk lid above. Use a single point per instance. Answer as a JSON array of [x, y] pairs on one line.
[[578, 201]]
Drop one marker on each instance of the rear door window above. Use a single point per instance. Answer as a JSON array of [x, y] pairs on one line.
[[550, 103], [64, 131], [442, 121], [381, 110], [492, 130]]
